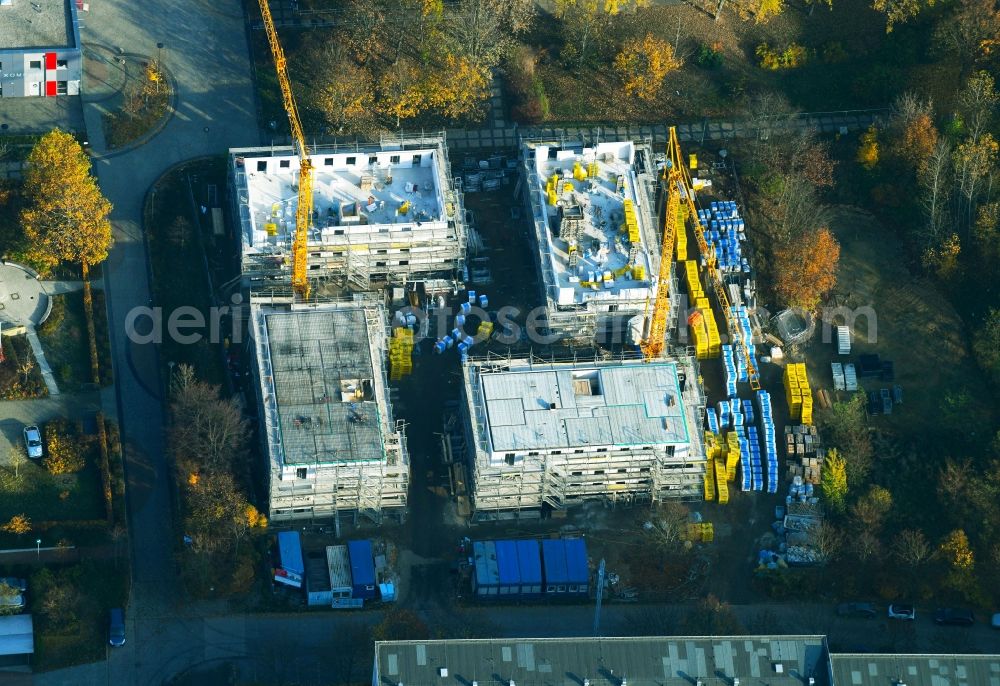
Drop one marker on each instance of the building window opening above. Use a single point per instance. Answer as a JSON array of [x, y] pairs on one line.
[[587, 382], [285, 164], [262, 165], [300, 473]]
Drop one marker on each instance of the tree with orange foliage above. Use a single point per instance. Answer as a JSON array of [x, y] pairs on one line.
[[18, 524], [806, 268]]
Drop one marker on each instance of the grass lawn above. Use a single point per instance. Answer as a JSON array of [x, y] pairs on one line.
[[94, 587], [17, 381], [64, 337], [44, 497], [176, 254]]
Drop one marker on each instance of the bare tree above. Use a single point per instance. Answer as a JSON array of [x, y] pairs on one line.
[[935, 184], [486, 30], [911, 548], [25, 368], [18, 459]]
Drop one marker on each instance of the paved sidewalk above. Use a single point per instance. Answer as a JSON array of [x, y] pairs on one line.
[[43, 365], [62, 287]]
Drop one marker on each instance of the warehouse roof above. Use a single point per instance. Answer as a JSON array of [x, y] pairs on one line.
[[916, 670], [664, 661], [35, 24], [579, 405]]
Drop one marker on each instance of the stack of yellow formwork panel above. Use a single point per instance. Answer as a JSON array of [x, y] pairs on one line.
[[707, 532], [695, 290], [552, 189], [631, 222], [400, 354], [699, 334], [680, 232], [720, 481], [592, 169], [732, 454], [709, 482], [798, 394], [714, 340], [579, 173]]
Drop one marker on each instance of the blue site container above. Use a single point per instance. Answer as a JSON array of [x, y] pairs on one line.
[[486, 580], [554, 566], [362, 569], [529, 562], [507, 567], [577, 569]]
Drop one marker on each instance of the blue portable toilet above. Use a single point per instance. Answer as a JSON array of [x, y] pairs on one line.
[[554, 566], [577, 569], [530, 565], [359, 553], [507, 566]]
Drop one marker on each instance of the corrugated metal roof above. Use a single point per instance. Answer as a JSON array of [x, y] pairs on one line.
[[630, 404], [916, 670], [529, 561], [671, 661], [554, 561], [507, 563], [340, 567]]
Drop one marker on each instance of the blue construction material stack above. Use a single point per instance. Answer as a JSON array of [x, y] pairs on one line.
[[725, 233], [729, 366], [770, 445], [724, 418], [752, 468], [712, 419], [744, 342], [748, 411]]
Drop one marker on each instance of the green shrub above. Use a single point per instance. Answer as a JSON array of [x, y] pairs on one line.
[[709, 57], [793, 56]]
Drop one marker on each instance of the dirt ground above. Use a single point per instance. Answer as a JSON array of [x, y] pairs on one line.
[[912, 325]]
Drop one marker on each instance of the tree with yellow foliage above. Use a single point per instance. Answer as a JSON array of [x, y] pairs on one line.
[[899, 11], [941, 257], [18, 524], [337, 87], [459, 89], [66, 217], [62, 451], [833, 480], [868, 151], [585, 20], [642, 65]]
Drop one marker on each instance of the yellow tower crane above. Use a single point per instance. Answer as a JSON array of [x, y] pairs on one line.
[[652, 345], [711, 263], [303, 214]]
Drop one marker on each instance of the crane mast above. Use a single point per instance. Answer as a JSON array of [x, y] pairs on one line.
[[303, 213]]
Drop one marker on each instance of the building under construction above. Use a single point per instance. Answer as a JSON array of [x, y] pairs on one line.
[[327, 428], [596, 233], [549, 434], [383, 214]]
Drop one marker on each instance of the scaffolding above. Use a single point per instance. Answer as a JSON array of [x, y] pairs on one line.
[[637, 470], [332, 444], [596, 315], [394, 245]]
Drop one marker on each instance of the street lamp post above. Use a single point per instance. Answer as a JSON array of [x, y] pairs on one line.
[[38, 548]]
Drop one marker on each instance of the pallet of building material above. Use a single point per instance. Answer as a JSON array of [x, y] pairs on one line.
[[850, 378], [843, 340], [710, 481], [838, 376], [720, 482]]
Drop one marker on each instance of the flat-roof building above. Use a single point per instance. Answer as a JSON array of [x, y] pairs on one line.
[[383, 213], [596, 231], [915, 670], [656, 661], [556, 433], [40, 51], [327, 426]]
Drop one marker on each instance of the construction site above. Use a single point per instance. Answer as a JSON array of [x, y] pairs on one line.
[[333, 446], [595, 231], [381, 214], [547, 435]]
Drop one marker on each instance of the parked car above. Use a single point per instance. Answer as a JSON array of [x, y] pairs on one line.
[[902, 611], [13, 592], [116, 629], [995, 621], [865, 610], [954, 616], [33, 441]]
